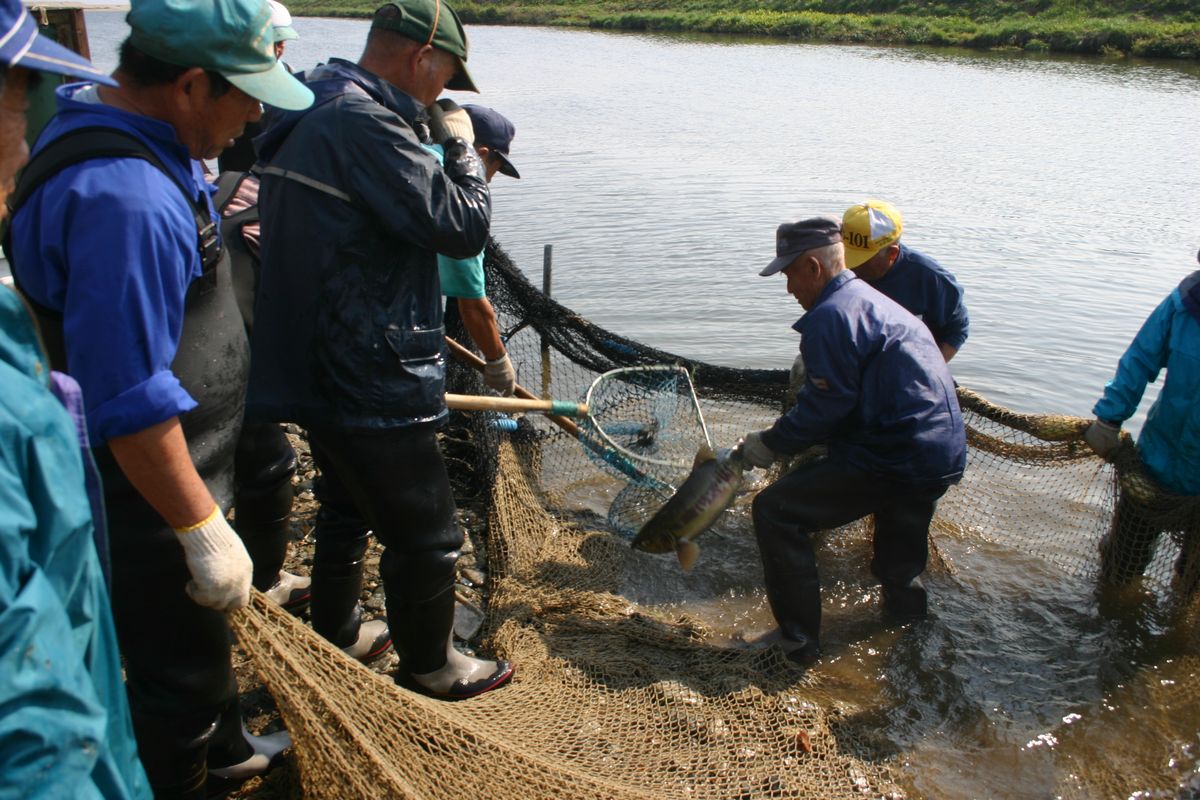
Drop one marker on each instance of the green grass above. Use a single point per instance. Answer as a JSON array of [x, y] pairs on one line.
[[1151, 28]]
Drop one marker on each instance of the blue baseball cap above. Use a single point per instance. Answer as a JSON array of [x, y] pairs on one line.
[[494, 131], [22, 46]]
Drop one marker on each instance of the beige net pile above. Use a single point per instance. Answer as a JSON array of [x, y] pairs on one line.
[[616, 701], [612, 699], [608, 701]]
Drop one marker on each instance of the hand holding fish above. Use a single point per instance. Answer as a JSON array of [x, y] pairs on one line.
[[755, 452]]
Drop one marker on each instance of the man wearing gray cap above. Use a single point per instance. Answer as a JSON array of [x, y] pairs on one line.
[[879, 395]]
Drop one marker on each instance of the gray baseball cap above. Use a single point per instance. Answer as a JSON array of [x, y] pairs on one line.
[[794, 238]]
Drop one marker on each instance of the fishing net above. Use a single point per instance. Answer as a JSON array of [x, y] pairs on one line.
[[617, 696]]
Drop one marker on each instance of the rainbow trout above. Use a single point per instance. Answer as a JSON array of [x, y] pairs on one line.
[[694, 507]]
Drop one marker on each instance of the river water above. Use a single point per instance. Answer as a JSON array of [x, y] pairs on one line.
[[1063, 192]]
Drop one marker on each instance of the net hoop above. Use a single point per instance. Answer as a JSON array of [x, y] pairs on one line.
[[669, 371]]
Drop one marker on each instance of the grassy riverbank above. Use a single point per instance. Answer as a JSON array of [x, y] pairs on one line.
[[1152, 28]]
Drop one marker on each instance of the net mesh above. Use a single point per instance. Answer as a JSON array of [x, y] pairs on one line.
[[618, 699]]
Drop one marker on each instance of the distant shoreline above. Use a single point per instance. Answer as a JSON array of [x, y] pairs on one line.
[[982, 25]]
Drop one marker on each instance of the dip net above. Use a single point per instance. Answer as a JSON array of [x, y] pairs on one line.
[[619, 695]]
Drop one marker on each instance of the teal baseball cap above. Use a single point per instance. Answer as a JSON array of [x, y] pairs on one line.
[[232, 37], [431, 22]]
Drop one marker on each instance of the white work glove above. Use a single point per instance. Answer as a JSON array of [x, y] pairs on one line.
[[1103, 437], [755, 452], [218, 561], [498, 374], [447, 121]]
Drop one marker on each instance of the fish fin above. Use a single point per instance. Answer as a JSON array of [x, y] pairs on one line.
[[705, 453], [687, 552]]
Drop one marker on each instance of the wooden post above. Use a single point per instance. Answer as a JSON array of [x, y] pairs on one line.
[[547, 253]]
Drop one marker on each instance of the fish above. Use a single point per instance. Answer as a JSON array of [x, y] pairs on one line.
[[693, 508]]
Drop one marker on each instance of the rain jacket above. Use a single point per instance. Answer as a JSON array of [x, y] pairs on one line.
[[929, 291], [348, 318], [65, 730], [877, 390], [1169, 339]]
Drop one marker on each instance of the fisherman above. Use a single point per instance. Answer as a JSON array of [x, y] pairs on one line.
[[878, 393], [66, 729], [348, 337], [1169, 446], [119, 257], [239, 156], [264, 460], [462, 279], [871, 235]]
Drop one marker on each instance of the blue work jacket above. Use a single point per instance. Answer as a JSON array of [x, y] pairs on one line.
[[1169, 339], [120, 287], [348, 316], [929, 291], [877, 390], [65, 730]]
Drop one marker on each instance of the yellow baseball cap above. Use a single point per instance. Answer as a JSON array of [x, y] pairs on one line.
[[867, 228]]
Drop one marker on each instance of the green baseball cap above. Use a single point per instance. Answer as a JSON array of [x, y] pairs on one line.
[[431, 22], [232, 37]]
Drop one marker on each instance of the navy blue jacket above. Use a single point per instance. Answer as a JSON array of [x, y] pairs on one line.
[[929, 291], [877, 390], [348, 315]]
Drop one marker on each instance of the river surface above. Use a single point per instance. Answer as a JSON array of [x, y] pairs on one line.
[[1063, 192]]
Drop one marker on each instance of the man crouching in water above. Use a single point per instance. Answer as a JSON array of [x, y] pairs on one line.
[[878, 393], [348, 335]]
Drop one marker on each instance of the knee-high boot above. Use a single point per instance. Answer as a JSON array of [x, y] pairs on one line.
[[262, 517], [174, 751], [420, 607], [423, 625], [337, 580], [264, 465]]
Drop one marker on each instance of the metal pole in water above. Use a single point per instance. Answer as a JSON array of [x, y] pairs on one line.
[[547, 252]]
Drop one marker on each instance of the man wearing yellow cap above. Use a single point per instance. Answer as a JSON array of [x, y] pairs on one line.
[[871, 234]]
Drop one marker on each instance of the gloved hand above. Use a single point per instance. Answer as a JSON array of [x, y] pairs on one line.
[[218, 561], [755, 452], [1103, 437], [498, 374], [796, 379], [447, 121]]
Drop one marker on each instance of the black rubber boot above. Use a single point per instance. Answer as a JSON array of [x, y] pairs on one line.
[[337, 581], [906, 603], [423, 628], [796, 604], [174, 751], [420, 605], [263, 520], [264, 464]]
